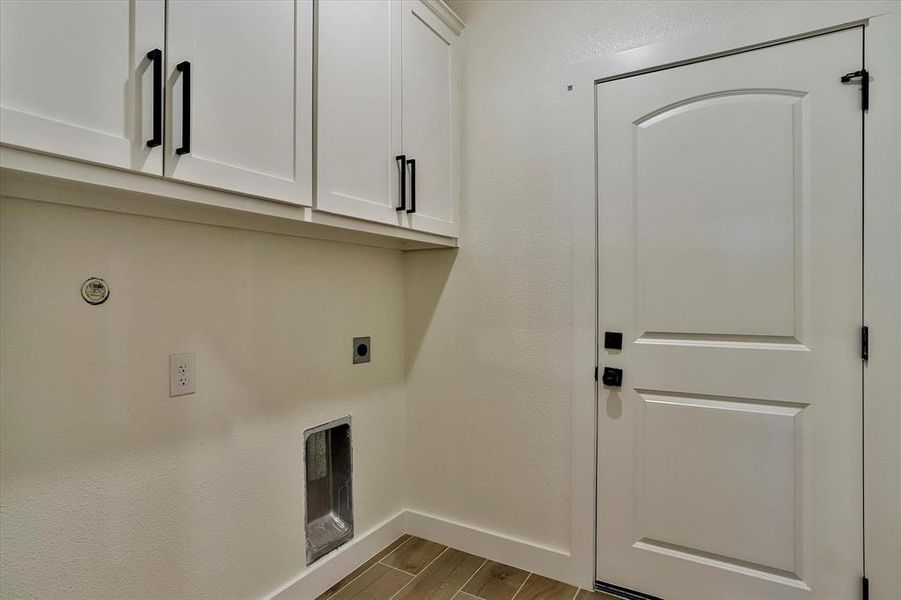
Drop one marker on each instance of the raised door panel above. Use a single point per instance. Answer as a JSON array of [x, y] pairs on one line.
[[250, 96], [75, 79], [744, 457], [706, 196], [429, 100], [358, 108]]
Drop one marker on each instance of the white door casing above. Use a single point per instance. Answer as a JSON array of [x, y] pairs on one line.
[[359, 109], [75, 79], [429, 96], [251, 96], [729, 190]]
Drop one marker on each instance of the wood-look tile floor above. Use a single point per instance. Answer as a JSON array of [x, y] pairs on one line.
[[412, 568]]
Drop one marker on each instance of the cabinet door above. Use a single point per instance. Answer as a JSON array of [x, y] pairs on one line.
[[358, 81], [75, 79], [429, 119], [240, 114]]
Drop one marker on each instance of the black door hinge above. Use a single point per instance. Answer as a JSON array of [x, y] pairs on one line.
[[865, 343], [865, 588], [864, 77], [595, 373]]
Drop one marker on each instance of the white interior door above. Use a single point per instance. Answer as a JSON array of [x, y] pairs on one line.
[[75, 79], [729, 461], [249, 92], [429, 97], [359, 123]]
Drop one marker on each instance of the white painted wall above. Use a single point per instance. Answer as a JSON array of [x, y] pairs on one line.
[[111, 489], [489, 332], [115, 490]]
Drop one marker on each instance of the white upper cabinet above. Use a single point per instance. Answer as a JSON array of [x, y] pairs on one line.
[[358, 80], [240, 96], [387, 116], [429, 119], [76, 81], [219, 94]]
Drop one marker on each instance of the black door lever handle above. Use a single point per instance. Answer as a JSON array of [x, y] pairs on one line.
[[612, 377]]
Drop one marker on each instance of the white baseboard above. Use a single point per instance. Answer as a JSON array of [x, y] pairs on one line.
[[312, 581], [543, 560]]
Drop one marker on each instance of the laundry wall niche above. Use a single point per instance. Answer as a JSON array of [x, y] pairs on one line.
[[328, 466]]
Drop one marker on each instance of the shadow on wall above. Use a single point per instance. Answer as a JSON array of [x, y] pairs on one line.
[[426, 274]]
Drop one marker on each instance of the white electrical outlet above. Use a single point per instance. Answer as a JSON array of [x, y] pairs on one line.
[[182, 374]]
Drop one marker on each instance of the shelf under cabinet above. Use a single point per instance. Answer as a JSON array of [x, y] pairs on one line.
[[45, 178]]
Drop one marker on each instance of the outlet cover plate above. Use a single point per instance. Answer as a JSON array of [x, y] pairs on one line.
[[182, 374], [362, 350]]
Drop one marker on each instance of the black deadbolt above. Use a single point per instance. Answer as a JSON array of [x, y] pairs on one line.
[[613, 340], [612, 377]]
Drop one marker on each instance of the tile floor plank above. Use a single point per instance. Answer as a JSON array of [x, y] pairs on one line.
[[411, 568], [444, 577], [378, 583], [496, 581], [362, 568], [542, 588], [414, 555]]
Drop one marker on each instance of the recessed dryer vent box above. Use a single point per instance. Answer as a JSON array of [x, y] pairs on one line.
[[329, 483]]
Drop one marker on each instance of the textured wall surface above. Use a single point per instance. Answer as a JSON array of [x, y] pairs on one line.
[[489, 343], [111, 489]]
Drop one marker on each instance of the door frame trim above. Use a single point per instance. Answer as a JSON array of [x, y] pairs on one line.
[[882, 249]]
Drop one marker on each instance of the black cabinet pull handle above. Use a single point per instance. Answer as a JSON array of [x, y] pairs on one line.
[[401, 159], [185, 69], [156, 57], [412, 163]]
